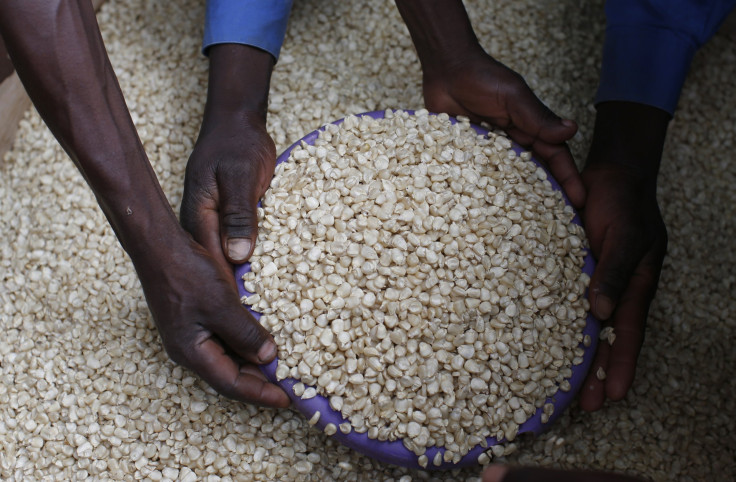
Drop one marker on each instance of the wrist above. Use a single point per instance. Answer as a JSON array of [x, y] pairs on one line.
[[441, 32], [142, 219], [239, 80], [628, 135]]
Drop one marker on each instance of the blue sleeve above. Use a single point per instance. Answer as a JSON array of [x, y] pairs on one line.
[[259, 23], [650, 44]]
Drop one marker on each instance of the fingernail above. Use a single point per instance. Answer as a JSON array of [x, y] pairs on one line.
[[568, 123], [603, 307], [238, 248], [267, 352]]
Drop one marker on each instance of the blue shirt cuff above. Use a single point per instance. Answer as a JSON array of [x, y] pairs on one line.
[[259, 23], [644, 64]]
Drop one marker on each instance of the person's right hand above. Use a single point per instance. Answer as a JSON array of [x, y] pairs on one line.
[[233, 160], [229, 170], [202, 323], [627, 237]]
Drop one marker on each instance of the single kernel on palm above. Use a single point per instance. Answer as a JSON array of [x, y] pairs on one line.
[[600, 374], [418, 244]]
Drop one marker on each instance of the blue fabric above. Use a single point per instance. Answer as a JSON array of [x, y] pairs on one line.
[[259, 23], [650, 44]]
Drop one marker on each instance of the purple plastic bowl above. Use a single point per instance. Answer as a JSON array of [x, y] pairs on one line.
[[395, 452]]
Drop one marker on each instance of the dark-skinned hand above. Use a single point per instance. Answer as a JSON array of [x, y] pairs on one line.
[[228, 171], [627, 237], [460, 78], [484, 90], [204, 327]]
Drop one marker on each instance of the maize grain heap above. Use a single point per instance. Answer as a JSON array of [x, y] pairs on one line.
[[425, 278]]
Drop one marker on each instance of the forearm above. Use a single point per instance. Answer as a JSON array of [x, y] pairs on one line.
[[59, 55], [239, 80], [440, 29]]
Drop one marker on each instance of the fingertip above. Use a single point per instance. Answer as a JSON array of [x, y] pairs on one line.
[[617, 388], [558, 131], [270, 395], [592, 395], [569, 123], [274, 396], [245, 336], [495, 473]]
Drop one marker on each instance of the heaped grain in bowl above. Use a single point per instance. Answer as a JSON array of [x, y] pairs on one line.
[[424, 278]]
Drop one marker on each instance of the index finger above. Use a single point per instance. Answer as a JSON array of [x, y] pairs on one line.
[[561, 164], [239, 382], [629, 321]]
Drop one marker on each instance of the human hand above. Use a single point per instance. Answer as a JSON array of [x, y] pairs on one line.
[[202, 324], [229, 170], [484, 90], [234, 157], [460, 78], [627, 236], [501, 473]]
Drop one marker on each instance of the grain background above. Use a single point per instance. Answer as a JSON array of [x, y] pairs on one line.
[[86, 390]]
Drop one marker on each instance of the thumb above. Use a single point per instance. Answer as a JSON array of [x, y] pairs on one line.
[[238, 221], [532, 117], [535, 126], [245, 336]]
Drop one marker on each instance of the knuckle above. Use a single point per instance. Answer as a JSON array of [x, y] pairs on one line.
[[225, 388], [615, 279], [249, 338], [176, 354], [239, 223]]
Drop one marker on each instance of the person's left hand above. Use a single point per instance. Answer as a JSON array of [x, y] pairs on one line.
[[627, 236], [477, 86], [229, 170]]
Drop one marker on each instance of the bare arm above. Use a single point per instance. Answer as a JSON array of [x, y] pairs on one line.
[[59, 54], [460, 78]]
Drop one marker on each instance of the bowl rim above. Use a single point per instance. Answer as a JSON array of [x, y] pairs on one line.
[[394, 452]]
